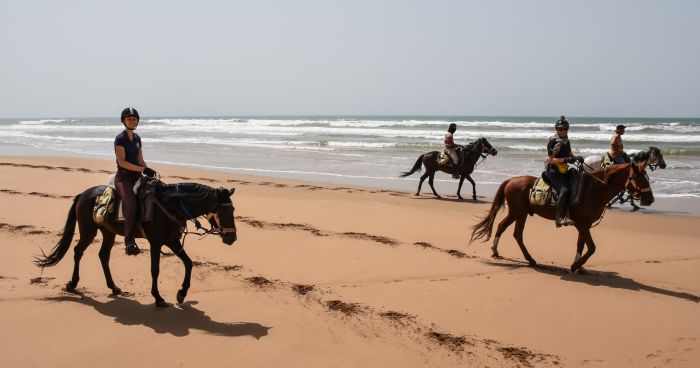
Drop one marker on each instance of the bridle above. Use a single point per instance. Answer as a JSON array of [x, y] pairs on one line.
[[632, 182], [219, 230]]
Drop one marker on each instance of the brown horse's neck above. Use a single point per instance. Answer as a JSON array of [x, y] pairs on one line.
[[614, 178]]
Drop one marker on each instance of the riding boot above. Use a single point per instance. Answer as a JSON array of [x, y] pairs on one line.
[[131, 248], [560, 212]]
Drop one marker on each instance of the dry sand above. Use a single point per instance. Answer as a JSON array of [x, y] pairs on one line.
[[329, 276]]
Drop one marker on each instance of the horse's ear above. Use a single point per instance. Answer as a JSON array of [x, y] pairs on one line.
[[231, 191]]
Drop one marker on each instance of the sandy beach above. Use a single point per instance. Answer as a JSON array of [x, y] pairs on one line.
[[324, 275]]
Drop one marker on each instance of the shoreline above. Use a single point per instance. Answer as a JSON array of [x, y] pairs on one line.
[[446, 187]]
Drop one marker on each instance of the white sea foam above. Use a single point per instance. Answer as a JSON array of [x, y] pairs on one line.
[[39, 122]]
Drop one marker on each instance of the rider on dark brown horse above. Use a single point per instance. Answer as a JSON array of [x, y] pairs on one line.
[[451, 147], [558, 173], [130, 166]]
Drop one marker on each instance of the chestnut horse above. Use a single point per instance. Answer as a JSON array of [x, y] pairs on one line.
[[467, 161], [599, 187]]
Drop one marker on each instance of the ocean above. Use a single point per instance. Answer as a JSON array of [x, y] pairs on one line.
[[363, 150]]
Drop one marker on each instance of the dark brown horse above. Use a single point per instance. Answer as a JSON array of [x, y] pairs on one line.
[[599, 187], [180, 202], [468, 156]]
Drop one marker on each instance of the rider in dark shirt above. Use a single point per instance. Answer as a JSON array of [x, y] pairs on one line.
[[559, 152], [130, 166]]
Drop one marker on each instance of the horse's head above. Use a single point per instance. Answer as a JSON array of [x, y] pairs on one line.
[[486, 148], [638, 185], [656, 158], [221, 219]]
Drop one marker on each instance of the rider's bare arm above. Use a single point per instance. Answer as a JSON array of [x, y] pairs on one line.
[[123, 163]]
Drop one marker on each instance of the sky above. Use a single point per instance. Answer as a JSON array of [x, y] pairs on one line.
[[220, 58]]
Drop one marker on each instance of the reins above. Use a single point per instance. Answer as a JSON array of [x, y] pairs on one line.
[[182, 225]]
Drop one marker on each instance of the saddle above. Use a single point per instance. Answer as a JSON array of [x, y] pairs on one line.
[[542, 194], [108, 206], [607, 160]]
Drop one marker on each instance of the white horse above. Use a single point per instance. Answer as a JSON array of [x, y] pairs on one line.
[[651, 157]]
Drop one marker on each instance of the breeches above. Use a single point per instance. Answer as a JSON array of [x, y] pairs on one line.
[[125, 187], [560, 183]]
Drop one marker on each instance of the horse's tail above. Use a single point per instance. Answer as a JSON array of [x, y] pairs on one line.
[[485, 226], [416, 167], [63, 244]]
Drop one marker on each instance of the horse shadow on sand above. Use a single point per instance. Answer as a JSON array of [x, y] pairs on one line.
[[594, 278], [174, 321]]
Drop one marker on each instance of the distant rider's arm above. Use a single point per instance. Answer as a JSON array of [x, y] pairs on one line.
[[123, 163], [555, 161]]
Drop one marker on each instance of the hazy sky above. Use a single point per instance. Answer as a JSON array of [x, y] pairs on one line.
[[170, 58]]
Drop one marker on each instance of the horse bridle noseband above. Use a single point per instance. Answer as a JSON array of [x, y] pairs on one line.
[[221, 230], [632, 179]]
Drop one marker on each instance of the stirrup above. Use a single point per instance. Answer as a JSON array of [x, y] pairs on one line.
[[131, 248], [564, 222]]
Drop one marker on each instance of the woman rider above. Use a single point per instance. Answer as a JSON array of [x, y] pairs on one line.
[[559, 151], [130, 165]]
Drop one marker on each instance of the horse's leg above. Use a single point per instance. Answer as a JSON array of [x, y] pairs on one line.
[[473, 186], [105, 251], [87, 234], [584, 233], [179, 250], [155, 270], [502, 226], [634, 205], [420, 183], [459, 188], [579, 250], [518, 234], [430, 181]]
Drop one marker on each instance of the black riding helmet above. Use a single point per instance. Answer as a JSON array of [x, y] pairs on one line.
[[452, 128], [562, 123], [130, 111]]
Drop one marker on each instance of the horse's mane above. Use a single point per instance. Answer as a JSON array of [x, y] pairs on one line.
[[470, 146], [605, 172], [643, 155], [189, 191]]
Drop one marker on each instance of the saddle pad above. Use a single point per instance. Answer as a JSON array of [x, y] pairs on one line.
[[607, 161], [442, 158], [540, 193], [104, 206]]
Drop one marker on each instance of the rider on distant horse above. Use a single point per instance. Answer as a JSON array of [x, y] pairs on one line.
[[130, 165], [617, 154], [559, 152], [451, 148]]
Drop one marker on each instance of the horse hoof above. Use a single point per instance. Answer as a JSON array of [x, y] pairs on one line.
[[417, 194], [116, 291], [70, 287], [474, 198], [181, 296], [460, 198], [496, 255], [532, 263], [162, 304]]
